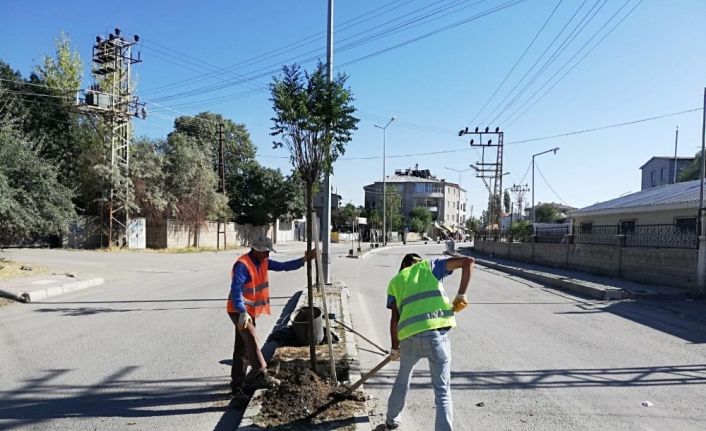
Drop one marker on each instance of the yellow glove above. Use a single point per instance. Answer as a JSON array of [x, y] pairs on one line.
[[243, 321], [460, 302]]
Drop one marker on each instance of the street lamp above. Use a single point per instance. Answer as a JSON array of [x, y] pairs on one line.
[[384, 194], [533, 156], [458, 209]]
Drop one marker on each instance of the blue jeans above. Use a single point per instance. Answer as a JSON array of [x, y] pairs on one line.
[[435, 346]]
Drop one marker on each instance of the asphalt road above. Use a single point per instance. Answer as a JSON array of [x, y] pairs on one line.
[[538, 358], [150, 350]]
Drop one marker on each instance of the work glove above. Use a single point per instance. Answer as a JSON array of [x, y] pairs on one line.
[[394, 354], [460, 302], [243, 321]]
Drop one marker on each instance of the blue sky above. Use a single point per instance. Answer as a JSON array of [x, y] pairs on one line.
[[652, 63]]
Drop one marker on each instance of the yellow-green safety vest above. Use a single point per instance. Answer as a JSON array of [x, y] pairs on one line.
[[421, 301]]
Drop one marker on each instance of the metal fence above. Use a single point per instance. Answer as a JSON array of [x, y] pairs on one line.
[[653, 236]]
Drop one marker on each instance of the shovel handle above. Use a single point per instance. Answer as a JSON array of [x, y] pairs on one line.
[[369, 374]]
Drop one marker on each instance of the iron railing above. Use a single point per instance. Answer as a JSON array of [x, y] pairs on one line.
[[653, 235]]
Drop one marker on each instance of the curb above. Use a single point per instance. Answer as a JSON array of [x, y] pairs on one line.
[[591, 290], [360, 422], [39, 294]]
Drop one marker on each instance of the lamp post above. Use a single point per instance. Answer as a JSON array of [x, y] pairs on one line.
[[533, 156], [384, 194], [460, 171]]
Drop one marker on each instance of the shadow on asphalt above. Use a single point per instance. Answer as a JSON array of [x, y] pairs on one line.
[[41, 399], [667, 375]]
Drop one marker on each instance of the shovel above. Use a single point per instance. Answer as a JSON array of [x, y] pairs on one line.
[[349, 390]]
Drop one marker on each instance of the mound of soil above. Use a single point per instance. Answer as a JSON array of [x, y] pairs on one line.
[[305, 398]]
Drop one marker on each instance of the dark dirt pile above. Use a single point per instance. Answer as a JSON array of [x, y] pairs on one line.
[[303, 397]]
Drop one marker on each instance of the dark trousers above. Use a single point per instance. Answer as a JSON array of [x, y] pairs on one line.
[[246, 348]]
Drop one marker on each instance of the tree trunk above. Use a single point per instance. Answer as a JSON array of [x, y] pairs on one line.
[[309, 283]]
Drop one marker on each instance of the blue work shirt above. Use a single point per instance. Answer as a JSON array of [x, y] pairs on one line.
[[242, 276], [438, 268]]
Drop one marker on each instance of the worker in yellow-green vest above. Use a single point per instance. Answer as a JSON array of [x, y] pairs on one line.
[[421, 319]]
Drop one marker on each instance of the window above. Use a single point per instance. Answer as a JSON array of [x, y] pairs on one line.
[[422, 188], [587, 227], [661, 174], [685, 224], [652, 177], [627, 226]]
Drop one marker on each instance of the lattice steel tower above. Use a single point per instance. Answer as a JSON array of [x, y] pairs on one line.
[[492, 171], [111, 99]]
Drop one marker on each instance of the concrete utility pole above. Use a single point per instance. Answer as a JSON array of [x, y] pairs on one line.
[[111, 99], [534, 212], [384, 190], [483, 168], [701, 267], [221, 188], [519, 190], [326, 211], [676, 144]]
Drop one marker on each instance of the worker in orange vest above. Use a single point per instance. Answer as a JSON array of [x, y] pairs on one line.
[[249, 297]]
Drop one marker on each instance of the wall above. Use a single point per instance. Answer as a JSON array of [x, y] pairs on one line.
[[178, 235], [661, 266], [641, 217]]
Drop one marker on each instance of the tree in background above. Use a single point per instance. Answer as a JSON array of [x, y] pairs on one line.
[[262, 195], [393, 208], [32, 200], [546, 213], [473, 224], [148, 179], [191, 184], [346, 215], [520, 229], [507, 202], [420, 219], [238, 149], [314, 120], [692, 171]]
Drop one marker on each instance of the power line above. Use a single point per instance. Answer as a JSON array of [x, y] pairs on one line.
[[512, 90], [572, 67], [568, 40], [516, 63], [549, 185]]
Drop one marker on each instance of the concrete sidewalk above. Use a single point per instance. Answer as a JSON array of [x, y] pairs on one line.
[[592, 286], [38, 287]]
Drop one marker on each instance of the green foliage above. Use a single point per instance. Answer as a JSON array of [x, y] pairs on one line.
[[313, 119], [393, 208], [345, 215], [546, 213], [420, 219], [191, 182], [238, 150], [520, 228], [148, 179], [507, 202], [262, 195], [61, 73], [692, 171], [473, 224], [32, 200]]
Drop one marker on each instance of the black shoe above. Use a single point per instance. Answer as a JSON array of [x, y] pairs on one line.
[[389, 426]]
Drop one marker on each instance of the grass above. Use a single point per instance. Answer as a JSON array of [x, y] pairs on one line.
[[10, 269]]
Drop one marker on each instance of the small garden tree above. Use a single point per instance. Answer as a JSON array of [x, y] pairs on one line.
[[420, 219], [546, 213], [314, 120]]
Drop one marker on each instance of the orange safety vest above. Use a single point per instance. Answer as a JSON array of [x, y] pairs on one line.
[[256, 292]]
